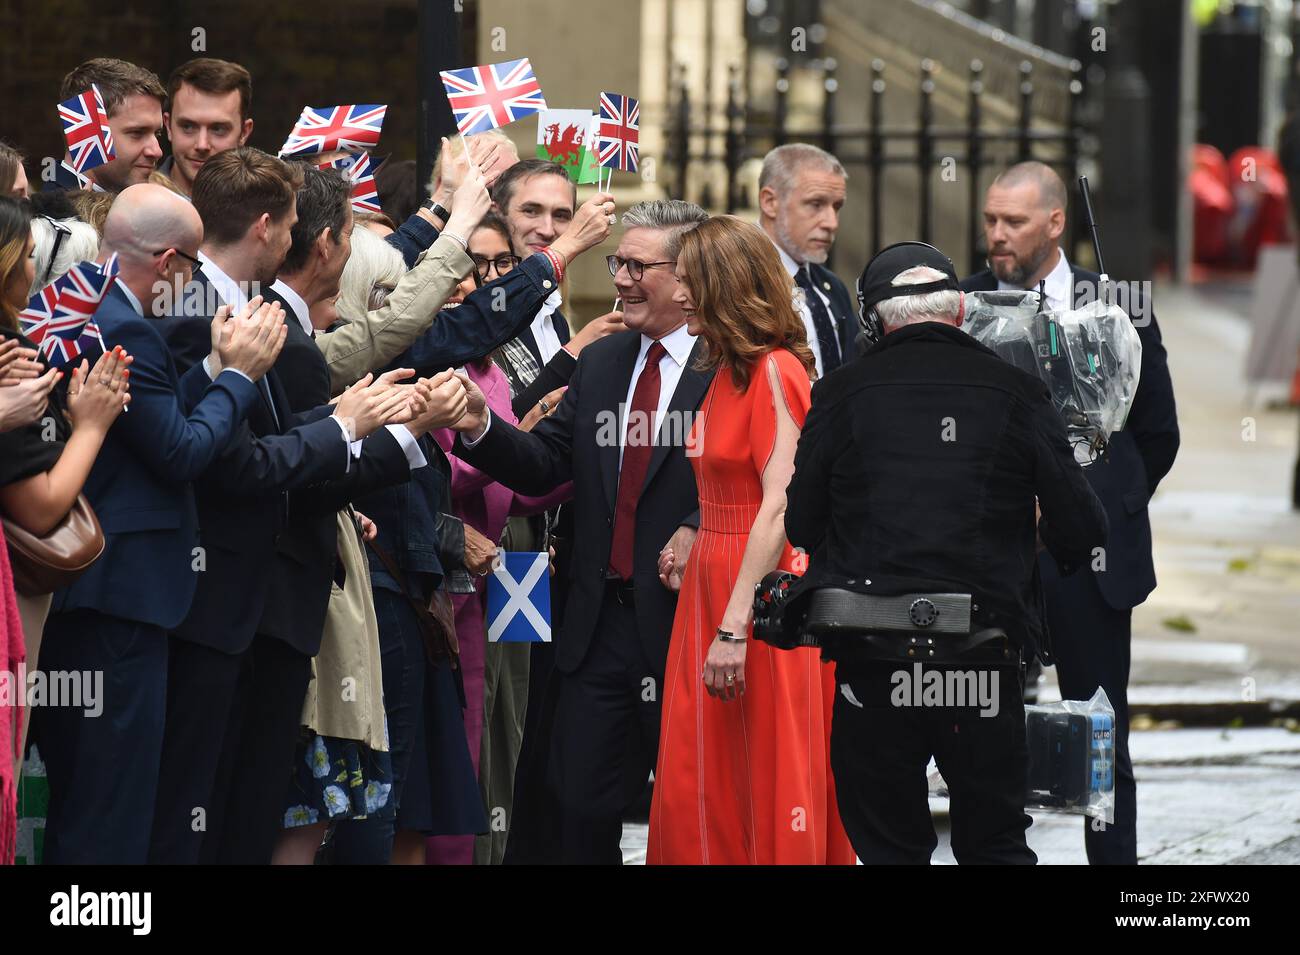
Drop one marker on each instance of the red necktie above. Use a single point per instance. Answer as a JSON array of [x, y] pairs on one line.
[[636, 461]]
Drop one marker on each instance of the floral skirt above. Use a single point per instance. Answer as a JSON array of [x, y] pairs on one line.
[[338, 779]]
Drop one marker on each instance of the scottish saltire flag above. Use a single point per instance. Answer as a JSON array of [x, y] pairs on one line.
[[326, 128], [618, 132], [59, 318], [85, 127], [359, 170], [519, 599], [487, 97]]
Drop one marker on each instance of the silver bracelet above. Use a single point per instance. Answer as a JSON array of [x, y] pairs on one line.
[[726, 636], [463, 244]]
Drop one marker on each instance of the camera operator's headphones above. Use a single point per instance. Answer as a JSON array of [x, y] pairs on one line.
[[875, 282]]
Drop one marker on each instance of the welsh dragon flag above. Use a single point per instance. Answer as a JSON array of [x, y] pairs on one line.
[[563, 136]]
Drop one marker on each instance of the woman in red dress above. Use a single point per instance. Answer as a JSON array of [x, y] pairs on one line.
[[743, 775]]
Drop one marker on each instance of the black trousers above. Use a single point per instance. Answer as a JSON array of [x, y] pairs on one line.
[[606, 719], [102, 766], [879, 754], [232, 725], [1092, 646]]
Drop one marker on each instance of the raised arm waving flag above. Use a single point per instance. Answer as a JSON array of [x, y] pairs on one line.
[[488, 97]]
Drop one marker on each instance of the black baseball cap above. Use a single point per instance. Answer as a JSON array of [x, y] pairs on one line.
[[875, 286]]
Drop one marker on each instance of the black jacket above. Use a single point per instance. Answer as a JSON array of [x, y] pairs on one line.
[[844, 311], [918, 467], [566, 446], [1137, 458], [306, 551], [243, 497]]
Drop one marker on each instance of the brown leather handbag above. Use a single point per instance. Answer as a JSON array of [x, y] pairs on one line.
[[42, 565], [437, 618]]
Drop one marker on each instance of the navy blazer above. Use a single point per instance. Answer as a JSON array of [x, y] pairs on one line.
[[844, 312], [140, 484], [488, 318], [1137, 458], [566, 447], [242, 497]]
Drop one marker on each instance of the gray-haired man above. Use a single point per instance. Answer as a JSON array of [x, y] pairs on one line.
[[611, 648], [801, 190]]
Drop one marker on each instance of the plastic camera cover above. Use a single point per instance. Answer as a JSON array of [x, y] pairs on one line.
[[1089, 358]]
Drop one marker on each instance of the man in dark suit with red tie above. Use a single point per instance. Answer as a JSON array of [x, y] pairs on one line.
[[630, 498], [1089, 613]]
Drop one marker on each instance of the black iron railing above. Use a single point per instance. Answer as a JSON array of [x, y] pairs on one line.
[[744, 136]]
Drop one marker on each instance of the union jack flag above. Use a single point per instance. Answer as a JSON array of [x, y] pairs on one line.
[[85, 127], [488, 97], [326, 128], [618, 132], [359, 170], [59, 319]]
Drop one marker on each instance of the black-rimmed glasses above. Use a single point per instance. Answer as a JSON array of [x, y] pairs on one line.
[[635, 267], [184, 255], [502, 264]]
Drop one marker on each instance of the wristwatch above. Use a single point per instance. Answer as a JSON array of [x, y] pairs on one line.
[[438, 211]]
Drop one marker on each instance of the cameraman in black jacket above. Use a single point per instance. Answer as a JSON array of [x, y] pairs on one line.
[[917, 473]]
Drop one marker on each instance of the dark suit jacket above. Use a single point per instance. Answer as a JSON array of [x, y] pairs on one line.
[[1138, 457], [556, 373], [306, 550], [242, 497], [567, 447], [140, 486], [479, 325], [844, 312]]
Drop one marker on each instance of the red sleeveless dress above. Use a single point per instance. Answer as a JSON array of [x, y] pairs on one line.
[[746, 781]]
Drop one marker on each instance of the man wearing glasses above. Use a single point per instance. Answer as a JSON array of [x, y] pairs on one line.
[[538, 200]]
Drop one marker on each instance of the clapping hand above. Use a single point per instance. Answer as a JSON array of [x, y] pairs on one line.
[[18, 363], [97, 397]]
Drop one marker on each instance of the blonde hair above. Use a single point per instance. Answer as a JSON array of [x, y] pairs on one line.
[[372, 262], [743, 296], [81, 246]]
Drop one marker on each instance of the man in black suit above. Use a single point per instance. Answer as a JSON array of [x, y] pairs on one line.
[[613, 642], [234, 694], [1089, 614], [801, 190]]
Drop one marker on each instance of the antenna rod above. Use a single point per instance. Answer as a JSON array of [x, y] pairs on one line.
[[1091, 221]]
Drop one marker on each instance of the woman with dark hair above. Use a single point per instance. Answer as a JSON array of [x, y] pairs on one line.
[[44, 464], [743, 775]]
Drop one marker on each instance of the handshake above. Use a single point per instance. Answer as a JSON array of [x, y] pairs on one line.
[[425, 405]]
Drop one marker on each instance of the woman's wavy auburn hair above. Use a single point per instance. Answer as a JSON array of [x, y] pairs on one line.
[[744, 298]]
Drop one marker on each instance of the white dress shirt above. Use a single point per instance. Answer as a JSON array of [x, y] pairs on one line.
[[1058, 285], [302, 312], [792, 267]]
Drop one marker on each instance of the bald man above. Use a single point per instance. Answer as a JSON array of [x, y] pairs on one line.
[[102, 760], [1089, 613]]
